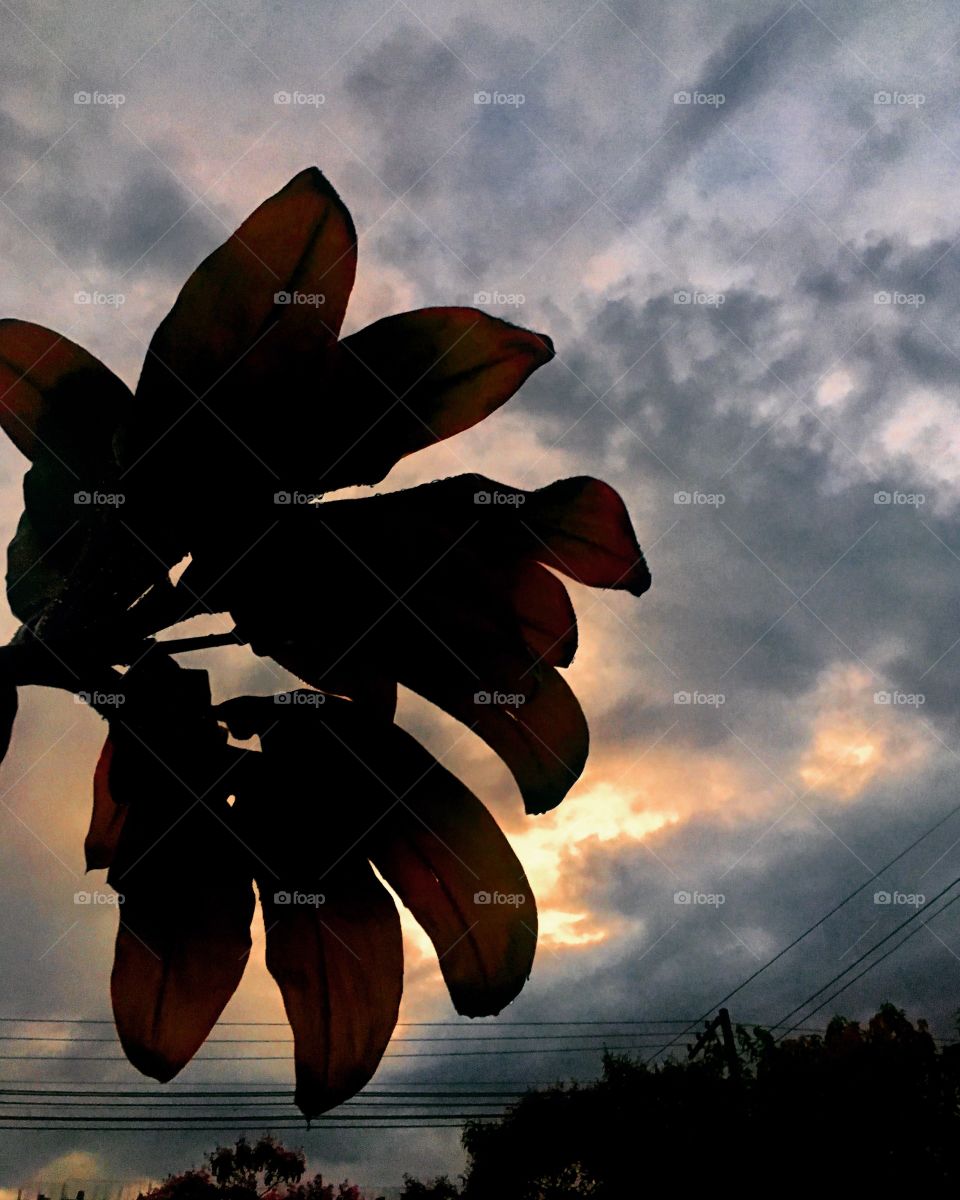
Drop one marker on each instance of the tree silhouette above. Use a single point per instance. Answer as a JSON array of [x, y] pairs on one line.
[[249, 409], [861, 1107], [265, 1170]]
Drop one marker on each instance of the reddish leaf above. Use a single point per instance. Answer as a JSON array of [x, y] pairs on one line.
[[106, 821], [547, 618], [75, 560], [339, 966], [55, 397], [175, 968], [181, 868], [301, 241], [581, 527], [232, 372], [445, 856], [418, 377], [429, 836], [184, 932], [543, 741]]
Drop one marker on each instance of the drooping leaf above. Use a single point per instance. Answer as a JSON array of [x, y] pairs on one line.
[[106, 820], [447, 596], [339, 966], [582, 528], [182, 870], [182, 945], [546, 614], [428, 835], [544, 740], [445, 856]]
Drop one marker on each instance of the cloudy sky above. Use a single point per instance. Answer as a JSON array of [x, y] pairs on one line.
[[738, 223]]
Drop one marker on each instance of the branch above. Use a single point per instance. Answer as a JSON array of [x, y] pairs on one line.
[[209, 642]]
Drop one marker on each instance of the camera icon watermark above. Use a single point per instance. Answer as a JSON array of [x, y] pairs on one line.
[[500, 499], [297, 497], [900, 699], [700, 99], [100, 699], [99, 499], [300, 99], [507, 299], [901, 499], [900, 99], [900, 299], [695, 898], [500, 699], [300, 699], [300, 899], [98, 899], [700, 499], [706, 299], [100, 299], [500, 99], [100, 99], [307, 299], [510, 899], [709, 699], [904, 899]]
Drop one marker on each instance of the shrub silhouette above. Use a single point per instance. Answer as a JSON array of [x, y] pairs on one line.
[[249, 409], [265, 1170], [862, 1107]]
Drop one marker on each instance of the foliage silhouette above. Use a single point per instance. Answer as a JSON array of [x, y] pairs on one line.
[[265, 1170], [248, 404], [864, 1107]]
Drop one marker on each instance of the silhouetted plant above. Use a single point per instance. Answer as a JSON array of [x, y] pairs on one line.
[[439, 1188], [862, 1107], [249, 404], [265, 1170]]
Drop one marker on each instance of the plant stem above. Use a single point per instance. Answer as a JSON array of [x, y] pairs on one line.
[[207, 642]]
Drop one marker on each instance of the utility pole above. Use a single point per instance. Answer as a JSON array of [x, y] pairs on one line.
[[729, 1045], [721, 1020]]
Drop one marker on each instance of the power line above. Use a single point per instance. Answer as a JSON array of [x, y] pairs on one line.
[[806, 933], [256, 1058], [300, 1126], [866, 954], [876, 963], [469, 1023], [244, 1095], [497, 1037]]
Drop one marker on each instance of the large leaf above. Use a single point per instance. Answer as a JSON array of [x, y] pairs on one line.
[[416, 378], [441, 588], [233, 370], [430, 837], [544, 741], [445, 856], [182, 870], [339, 966], [300, 241], [72, 558], [106, 820], [56, 398]]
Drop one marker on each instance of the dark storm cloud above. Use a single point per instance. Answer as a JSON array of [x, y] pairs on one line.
[[775, 882]]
